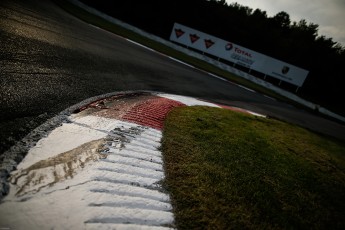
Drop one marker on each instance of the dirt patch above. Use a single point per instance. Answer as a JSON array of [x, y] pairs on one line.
[[114, 107], [61, 167]]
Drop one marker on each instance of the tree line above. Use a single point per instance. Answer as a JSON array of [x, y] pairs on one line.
[[297, 43]]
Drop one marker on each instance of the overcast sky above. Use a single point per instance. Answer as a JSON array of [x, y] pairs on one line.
[[328, 14]]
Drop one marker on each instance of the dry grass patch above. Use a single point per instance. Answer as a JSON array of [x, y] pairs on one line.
[[227, 170]]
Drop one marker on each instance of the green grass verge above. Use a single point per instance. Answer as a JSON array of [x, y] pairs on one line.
[[227, 170]]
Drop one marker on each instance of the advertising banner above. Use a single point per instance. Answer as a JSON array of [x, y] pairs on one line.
[[284, 71], [215, 46], [237, 54]]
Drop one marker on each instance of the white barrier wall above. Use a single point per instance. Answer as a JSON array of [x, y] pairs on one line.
[[216, 47], [237, 54], [209, 60]]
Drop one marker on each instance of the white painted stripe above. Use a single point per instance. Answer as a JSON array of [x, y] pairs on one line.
[[93, 172], [108, 226], [138, 155], [270, 97], [145, 144], [112, 200], [151, 136], [124, 187], [193, 102], [241, 86], [127, 190], [215, 76], [106, 31], [138, 44], [134, 162], [141, 150], [256, 114], [118, 215], [121, 178], [68, 137], [181, 62], [128, 169], [189, 101]]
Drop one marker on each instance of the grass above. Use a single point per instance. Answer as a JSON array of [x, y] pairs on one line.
[[228, 170]]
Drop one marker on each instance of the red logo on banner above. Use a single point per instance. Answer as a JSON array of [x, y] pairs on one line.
[[229, 46], [179, 32], [243, 52], [194, 37], [208, 43]]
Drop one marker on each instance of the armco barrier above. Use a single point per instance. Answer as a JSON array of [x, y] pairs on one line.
[[210, 61]]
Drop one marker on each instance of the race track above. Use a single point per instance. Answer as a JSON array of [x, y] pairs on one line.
[[50, 60]]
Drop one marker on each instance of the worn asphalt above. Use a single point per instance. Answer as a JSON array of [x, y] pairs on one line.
[[50, 60]]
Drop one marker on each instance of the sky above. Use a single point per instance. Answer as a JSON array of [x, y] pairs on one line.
[[328, 14]]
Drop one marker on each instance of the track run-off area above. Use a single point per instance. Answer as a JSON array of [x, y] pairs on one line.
[[101, 168], [51, 60]]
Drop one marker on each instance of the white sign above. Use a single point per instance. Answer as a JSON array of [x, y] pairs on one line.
[[284, 71], [237, 54]]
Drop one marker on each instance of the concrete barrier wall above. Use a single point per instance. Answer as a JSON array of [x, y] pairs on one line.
[[210, 60]]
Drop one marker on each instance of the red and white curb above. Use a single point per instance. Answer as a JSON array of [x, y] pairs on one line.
[[101, 170]]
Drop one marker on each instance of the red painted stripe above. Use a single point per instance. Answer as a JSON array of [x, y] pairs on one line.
[[151, 112]]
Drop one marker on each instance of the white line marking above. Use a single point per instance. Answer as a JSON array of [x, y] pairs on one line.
[[220, 78], [122, 188], [174, 59], [246, 88], [106, 31], [270, 97], [256, 114], [138, 44], [189, 101]]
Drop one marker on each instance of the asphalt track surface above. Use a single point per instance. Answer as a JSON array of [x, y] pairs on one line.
[[50, 60]]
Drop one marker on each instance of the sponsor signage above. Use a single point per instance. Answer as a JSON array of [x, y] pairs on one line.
[[284, 71], [193, 38], [179, 32], [237, 54], [208, 43]]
